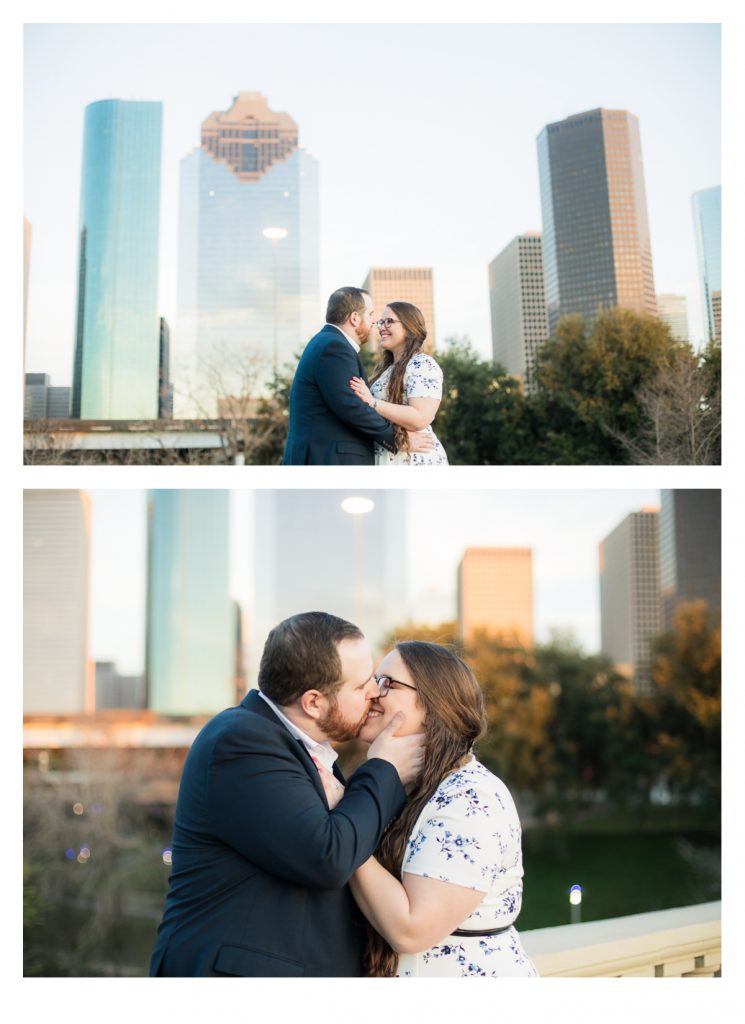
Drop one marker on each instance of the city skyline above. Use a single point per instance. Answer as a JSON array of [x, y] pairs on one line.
[[564, 541], [412, 210]]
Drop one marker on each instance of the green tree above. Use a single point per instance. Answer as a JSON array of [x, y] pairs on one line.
[[685, 707], [587, 384]]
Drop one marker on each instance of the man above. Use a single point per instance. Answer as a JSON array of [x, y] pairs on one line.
[[260, 863], [329, 425]]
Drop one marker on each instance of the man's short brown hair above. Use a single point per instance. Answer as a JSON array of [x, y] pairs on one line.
[[302, 653], [343, 302]]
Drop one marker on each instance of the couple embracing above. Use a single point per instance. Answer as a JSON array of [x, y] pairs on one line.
[[282, 867], [337, 419]]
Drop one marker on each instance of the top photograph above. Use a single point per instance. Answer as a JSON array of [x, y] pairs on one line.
[[372, 244]]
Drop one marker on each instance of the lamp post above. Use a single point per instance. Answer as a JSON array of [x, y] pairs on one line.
[[357, 507], [575, 900], [274, 235]]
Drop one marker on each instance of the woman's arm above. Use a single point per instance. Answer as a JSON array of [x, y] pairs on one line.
[[414, 916], [418, 414]]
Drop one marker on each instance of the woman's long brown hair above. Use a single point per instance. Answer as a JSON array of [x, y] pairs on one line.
[[413, 324], [454, 720]]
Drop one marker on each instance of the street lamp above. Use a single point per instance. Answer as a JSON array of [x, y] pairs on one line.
[[357, 507], [575, 899], [274, 235]]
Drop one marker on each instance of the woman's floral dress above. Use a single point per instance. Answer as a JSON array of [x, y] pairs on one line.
[[469, 833], [423, 379]]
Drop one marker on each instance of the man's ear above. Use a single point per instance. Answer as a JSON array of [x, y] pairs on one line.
[[312, 703]]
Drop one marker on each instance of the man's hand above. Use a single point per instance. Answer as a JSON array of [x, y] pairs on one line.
[[405, 753], [421, 440]]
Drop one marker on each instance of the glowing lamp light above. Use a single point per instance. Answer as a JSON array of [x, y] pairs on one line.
[[358, 506], [275, 234], [575, 895]]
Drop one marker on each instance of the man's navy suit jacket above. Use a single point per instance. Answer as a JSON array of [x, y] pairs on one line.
[[329, 425], [260, 864]]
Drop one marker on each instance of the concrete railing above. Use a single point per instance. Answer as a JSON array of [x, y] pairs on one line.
[[682, 943]]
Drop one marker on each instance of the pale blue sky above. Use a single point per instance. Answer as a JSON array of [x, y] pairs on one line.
[[564, 529], [425, 137]]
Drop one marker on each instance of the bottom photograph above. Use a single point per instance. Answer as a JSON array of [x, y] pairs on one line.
[[376, 733]]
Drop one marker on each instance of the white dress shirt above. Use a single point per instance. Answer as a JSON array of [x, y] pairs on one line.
[[323, 751]]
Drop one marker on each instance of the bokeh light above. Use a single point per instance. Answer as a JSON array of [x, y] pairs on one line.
[[167, 856], [78, 808], [575, 895]]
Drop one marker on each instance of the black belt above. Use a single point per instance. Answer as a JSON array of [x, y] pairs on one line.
[[489, 931]]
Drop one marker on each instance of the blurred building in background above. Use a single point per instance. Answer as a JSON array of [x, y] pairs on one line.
[[57, 669], [115, 371], [115, 692], [690, 550], [673, 311], [495, 594], [707, 225], [190, 656], [630, 594], [596, 245], [519, 325], [312, 555], [402, 284], [42, 401], [165, 386], [247, 301]]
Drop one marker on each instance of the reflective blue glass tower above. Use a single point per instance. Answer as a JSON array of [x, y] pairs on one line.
[[246, 302], [190, 616], [115, 373], [707, 224]]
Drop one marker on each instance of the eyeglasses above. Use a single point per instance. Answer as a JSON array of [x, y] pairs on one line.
[[384, 685], [387, 322]]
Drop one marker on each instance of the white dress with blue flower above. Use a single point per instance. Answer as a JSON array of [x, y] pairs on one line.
[[469, 833], [423, 379]]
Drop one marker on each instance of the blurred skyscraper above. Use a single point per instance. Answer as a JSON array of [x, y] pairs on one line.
[[311, 555], [630, 594], [42, 401], [115, 692], [596, 245], [690, 550], [402, 284], [115, 372], [673, 311], [190, 617], [57, 670], [243, 296], [495, 594], [519, 325], [707, 225], [165, 387]]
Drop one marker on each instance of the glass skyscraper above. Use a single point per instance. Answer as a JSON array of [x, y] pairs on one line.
[[518, 306], [115, 373], [690, 550], [246, 302], [707, 224], [596, 244], [190, 617]]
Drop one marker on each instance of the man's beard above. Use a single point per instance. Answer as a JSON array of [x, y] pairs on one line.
[[338, 728]]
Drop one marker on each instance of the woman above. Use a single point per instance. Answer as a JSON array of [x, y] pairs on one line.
[[455, 847], [406, 386]]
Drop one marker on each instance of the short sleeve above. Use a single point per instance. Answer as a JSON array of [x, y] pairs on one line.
[[423, 377], [460, 836]]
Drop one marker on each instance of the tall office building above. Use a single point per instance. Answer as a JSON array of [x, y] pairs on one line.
[[690, 550], [246, 300], [115, 372], [115, 692], [165, 387], [596, 245], [519, 325], [630, 594], [42, 401], [673, 311], [707, 225], [402, 284], [190, 617], [57, 669], [495, 594], [312, 555]]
